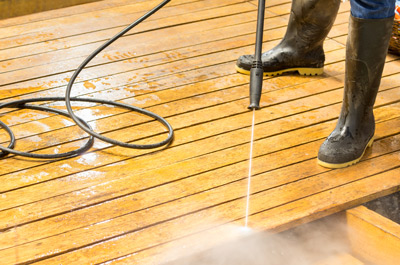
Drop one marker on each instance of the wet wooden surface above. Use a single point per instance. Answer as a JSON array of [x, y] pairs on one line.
[[373, 237], [125, 206], [14, 8]]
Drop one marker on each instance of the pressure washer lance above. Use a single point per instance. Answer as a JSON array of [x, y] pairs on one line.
[[256, 71]]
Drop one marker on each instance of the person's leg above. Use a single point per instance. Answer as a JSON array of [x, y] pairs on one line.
[[301, 49], [370, 29]]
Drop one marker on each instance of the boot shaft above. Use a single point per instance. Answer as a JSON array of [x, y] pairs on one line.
[[366, 49], [310, 22]]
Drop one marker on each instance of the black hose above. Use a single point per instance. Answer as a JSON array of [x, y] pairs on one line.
[[12, 139], [80, 122], [21, 104]]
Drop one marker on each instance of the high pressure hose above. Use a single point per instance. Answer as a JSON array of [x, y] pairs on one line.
[[12, 139], [80, 122], [145, 112]]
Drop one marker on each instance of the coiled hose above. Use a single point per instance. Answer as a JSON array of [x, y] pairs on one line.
[[80, 122]]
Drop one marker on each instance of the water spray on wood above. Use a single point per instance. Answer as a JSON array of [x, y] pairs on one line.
[[256, 79]]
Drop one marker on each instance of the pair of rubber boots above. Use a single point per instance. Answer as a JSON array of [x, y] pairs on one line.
[[301, 50]]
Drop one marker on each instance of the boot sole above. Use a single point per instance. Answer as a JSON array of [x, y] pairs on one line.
[[334, 166], [301, 71]]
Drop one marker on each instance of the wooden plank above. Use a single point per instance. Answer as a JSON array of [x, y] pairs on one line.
[[78, 19], [338, 30], [206, 147], [118, 20], [281, 96], [69, 42], [288, 121], [198, 220], [284, 95], [106, 83], [117, 207], [161, 108], [281, 10], [127, 206], [295, 171], [298, 210], [124, 54], [197, 72], [24, 87], [341, 39], [76, 37], [142, 50], [25, 7], [341, 258], [62, 12], [373, 237]]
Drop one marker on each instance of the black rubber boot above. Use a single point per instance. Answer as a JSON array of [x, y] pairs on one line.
[[301, 49], [367, 45]]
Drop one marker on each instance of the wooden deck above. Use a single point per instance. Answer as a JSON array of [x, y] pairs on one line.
[[120, 206]]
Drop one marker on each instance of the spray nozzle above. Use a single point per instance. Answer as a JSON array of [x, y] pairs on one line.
[[256, 71], [256, 80]]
